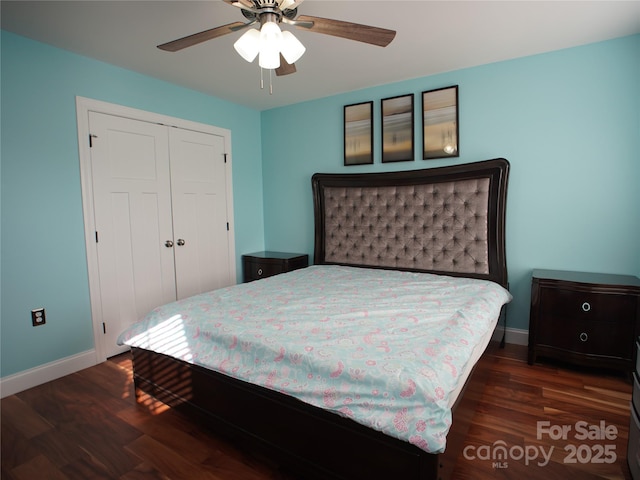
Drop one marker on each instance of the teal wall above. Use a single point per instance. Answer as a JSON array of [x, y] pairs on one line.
[[569, 123], [43, 254]]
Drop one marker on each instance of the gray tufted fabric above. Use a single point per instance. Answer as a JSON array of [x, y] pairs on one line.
[[440, 226]]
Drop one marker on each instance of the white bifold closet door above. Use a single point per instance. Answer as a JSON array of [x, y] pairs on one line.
[[160, 214], [198, 193]]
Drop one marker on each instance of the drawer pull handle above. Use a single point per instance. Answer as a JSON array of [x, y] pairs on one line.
[[259, 271], [586, 307], [584, 337]]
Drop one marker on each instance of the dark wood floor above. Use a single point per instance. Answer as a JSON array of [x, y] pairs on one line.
[[87, 425]]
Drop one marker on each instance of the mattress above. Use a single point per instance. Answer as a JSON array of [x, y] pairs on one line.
[[388, 349]]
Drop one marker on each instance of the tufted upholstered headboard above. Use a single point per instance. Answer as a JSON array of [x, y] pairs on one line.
[[446, 220]]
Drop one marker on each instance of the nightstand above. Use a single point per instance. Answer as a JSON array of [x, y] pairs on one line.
[[584, 318], [266, 264]]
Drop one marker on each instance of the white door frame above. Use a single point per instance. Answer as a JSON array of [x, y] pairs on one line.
[[83, 107]]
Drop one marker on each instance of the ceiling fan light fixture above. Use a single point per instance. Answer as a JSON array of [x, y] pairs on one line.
[[292, 49], [248, 45]]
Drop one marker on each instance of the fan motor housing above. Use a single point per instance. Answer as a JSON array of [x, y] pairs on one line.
[[290, 14]]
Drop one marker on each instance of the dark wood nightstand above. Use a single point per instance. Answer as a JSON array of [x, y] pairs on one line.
[[584, 318], [266, 264]]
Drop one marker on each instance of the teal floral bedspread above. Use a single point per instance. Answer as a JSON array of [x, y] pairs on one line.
[[384, 348]]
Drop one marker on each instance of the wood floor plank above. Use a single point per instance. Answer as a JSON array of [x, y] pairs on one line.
[[60, 447], [15, 448], [168, 461], [113, 378], [583, 399], [38, 467], [87, 467], [23, 418], [172, 431], [144, 471]]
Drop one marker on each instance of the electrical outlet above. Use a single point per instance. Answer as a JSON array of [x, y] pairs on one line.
[[38, 317]]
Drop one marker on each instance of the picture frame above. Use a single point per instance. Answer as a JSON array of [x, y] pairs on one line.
[[440, 126], [397, 128], [358, 133]]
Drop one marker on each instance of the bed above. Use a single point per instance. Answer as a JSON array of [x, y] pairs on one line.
[[411, 263]]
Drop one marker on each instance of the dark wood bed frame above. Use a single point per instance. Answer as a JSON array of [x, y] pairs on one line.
[[306, 440]]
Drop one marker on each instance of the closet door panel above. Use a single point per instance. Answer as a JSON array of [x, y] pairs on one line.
[[198, 190], [132, 204]]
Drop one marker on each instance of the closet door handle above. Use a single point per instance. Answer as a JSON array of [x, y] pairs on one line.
[[168, 243], [180, 242]]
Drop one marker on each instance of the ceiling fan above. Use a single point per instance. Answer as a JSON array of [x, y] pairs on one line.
[[279, 50]]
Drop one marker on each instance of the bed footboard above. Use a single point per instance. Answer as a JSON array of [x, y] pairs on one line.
[[305, 440]]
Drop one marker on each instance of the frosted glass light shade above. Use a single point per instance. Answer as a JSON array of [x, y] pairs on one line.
[[269, 59], [270, 44], [284, 4], [270, 32], [291, 48], [248, 45]]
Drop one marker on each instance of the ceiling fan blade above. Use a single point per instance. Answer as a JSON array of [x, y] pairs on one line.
[[285, 68], [197, 38], [352, 31]]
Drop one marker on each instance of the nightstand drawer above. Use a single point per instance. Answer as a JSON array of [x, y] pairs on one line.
[[600, 307], [266, 264], [263, 269], [587, 337]]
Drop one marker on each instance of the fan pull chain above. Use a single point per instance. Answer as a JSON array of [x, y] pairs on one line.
[[262, 82], [270, 83]]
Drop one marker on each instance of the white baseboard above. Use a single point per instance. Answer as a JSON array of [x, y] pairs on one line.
[[515, 336], [18, 382]]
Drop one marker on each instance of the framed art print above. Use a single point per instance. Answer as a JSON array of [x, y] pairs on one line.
[[397, 128], [358, 134], [440, 135]]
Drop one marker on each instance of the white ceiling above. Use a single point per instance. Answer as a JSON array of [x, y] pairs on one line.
[[433, 37]]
